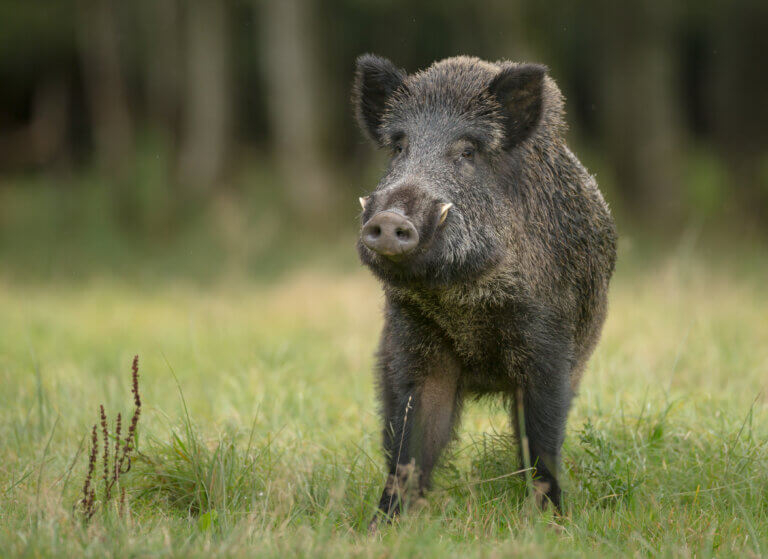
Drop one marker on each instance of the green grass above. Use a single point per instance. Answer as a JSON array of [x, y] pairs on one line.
[[259, 432]]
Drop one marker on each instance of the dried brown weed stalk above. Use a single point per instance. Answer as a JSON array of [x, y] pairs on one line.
[[114, 464]]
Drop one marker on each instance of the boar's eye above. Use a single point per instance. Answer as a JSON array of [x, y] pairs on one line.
[[398, 143], [468, 153], [398, 148]]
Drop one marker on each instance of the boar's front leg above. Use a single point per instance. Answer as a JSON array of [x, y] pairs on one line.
[[421, 403], [545, 397]]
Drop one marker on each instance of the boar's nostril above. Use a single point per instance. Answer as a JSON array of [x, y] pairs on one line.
[[390, 234]]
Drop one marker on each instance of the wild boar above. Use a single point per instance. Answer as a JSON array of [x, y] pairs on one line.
[[494, 248]]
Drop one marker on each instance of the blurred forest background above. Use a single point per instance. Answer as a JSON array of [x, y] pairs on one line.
[[223, 127]]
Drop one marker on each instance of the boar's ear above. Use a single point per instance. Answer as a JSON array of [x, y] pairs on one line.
[[518, 90], [375, 80]]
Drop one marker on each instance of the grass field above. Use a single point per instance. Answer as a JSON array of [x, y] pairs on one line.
[[259, 435]]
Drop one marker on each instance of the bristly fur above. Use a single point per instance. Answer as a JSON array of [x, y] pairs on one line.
[[510, 291], [375, 81]]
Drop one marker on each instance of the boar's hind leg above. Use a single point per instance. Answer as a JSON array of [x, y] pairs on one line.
[[420, 419], [546, 401]]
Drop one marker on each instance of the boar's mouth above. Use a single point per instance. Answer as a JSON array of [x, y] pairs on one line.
[[394, 235], [416, 255], [448, 251], [390, 234]]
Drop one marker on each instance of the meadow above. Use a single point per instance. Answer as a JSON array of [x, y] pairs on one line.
[[259, 434]]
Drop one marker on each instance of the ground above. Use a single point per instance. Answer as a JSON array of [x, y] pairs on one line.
[[259, 434]]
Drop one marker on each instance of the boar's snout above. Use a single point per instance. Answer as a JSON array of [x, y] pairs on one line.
[[390, 234]]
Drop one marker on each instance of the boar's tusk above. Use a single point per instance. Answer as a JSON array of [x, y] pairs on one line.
[[363, 201], [444, 211]]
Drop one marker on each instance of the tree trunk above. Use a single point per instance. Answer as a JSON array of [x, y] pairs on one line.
[[162, 64], [206, 125], [642, 124], [738, 106], [104, 85], [293, 90]]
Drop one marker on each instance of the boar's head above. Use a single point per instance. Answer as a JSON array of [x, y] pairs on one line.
[[440, 214]]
